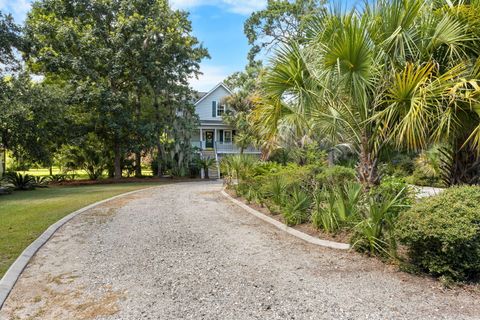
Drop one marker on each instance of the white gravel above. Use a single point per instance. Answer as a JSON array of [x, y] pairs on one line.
[[183, 251]]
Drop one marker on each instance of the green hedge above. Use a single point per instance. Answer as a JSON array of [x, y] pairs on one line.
[[443, 234]]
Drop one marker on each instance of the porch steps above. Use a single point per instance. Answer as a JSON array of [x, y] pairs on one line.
[[213, 171]]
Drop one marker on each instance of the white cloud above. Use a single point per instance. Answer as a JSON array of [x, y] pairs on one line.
[[244, 7], [212, 75]]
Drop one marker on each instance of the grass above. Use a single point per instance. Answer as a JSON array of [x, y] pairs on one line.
[[79, 174], [24, 215]]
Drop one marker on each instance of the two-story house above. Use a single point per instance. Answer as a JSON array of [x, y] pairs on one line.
[[214, 137]]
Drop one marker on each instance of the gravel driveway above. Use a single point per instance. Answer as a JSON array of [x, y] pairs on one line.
[[182, 251]]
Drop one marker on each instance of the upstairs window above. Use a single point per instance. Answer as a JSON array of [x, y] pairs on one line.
[[220, 110]]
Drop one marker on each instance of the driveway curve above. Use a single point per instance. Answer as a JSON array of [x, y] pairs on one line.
[[183, 251]]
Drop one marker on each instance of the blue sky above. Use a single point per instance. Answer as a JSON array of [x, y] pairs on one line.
[[216, 23]]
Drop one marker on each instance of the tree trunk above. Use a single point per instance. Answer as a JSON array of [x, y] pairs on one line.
[[117, 160], [460, 165], [331, 158], [50, 169], [205, 170], [4, 162], [159, 159], [367, 169], [156, 106], [138, 155]]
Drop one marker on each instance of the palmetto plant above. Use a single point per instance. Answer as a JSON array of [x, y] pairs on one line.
[[375, 232], [20, 181], [400, 71], [237, 167], [205, 164], [336, 206], [295, 210]]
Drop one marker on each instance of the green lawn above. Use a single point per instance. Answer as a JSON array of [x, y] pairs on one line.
[[79, 174], [24, 215]]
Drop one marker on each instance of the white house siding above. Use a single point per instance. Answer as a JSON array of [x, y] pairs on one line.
[[204, 107]]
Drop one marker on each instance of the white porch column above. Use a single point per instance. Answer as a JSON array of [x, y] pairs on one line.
[[201, 138], [215, 138]]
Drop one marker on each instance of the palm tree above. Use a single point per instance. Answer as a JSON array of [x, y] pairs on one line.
[[205, 164], [371, 77]]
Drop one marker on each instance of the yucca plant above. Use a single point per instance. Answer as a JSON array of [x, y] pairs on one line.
[[20, 181]]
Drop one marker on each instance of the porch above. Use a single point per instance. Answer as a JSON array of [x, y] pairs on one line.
[[219, 140]]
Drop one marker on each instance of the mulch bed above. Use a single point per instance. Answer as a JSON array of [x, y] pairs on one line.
[[342, 236]]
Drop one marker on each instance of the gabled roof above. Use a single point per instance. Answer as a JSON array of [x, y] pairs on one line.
[[221, 84]]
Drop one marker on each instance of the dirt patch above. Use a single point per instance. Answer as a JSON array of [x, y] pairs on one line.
[[62, 296]]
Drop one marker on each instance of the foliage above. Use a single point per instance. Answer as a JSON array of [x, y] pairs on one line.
[[59, 178], [335, 175], [329, 197], [40, 181], [428, 169], [10, 40], [395, 73], [205, 164], [237, 167], [129, 63], [442, 234], [375, 233], [280, 22], [88, 155], [336, 206], [19, 181], [296, 206], [34, 120]]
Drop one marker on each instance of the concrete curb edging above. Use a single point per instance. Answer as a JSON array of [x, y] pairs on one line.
[[15, 271], [291, 231]]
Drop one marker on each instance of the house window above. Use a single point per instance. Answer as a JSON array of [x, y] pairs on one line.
[[227, 136], [220, 110]]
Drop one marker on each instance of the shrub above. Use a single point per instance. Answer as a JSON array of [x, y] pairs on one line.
[[420, 177], [391, 187], [442, 234], [20, 181], [336, 175]]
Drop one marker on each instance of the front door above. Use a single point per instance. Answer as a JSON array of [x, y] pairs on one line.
[[209, 139]]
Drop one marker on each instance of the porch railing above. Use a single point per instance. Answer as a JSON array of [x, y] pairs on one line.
[[223, 147]]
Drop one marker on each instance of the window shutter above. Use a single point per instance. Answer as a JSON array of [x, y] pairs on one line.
[[214, 109], [221, 135]]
